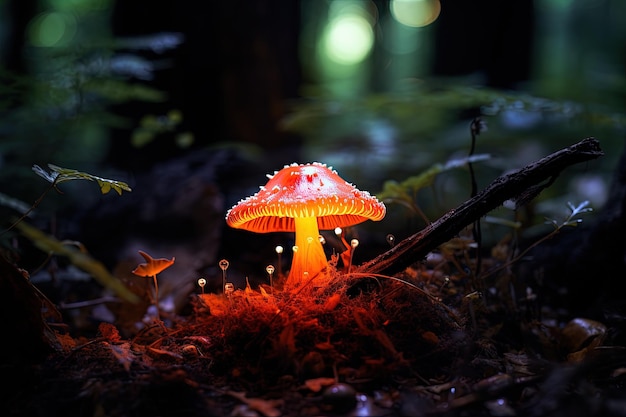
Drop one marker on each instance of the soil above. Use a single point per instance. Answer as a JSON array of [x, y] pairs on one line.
[[413, 344]]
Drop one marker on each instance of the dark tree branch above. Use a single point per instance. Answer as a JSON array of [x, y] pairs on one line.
[[521, 186]]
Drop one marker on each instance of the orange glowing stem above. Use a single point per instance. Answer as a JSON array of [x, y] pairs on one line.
[[150, 269], [156, 296], [310, 257]]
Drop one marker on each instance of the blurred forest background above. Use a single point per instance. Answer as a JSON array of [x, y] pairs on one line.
[[380, 90]]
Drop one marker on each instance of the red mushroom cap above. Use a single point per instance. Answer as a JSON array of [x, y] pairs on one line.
[[307, 190]]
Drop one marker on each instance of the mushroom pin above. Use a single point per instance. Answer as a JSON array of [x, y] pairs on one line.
[[304, 199]]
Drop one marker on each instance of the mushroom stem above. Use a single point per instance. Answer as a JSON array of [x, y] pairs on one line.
[[310, 257], [156, 296]]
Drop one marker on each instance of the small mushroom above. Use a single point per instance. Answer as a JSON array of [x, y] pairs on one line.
[[150, 269], [304, 199]]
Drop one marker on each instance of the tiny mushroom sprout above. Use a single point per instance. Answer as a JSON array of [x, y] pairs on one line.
[[305, 198], [150, 269]]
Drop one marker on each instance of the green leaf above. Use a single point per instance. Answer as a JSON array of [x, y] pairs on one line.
[[59, 175], [410, 186]]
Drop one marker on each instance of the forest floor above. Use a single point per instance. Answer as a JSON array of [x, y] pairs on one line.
[[420, 343], [446, 334]]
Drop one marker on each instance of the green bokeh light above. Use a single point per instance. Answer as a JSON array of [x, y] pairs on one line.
[[51, 29], [348, 39], [415, 13]]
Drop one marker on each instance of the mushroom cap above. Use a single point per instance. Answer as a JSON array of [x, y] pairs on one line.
[[152, 266], [306, 190]]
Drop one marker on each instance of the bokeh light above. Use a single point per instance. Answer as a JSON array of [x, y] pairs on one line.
[[51, 29], [348, 39], [415, 13]]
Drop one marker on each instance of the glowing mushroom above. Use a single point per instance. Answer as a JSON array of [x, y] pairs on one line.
[[305, 199], [151, 268]]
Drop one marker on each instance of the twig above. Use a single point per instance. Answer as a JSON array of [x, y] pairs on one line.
[[521, 186], [31, 209]]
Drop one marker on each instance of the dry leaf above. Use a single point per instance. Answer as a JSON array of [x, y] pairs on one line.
[[316, 384], [156, 353], [265, 407]]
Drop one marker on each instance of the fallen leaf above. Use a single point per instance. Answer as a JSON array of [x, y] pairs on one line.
[[265, 407], [316, 384], [162, 353]]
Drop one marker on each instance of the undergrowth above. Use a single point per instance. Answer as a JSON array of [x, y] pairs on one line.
[[344, 330]]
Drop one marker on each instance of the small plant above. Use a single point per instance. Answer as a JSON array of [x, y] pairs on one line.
[[49, 244], [58, 175], [150, 269], [405, 192], [569, 221]]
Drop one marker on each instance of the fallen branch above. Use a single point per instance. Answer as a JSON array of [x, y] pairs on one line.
[[520, 186]]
